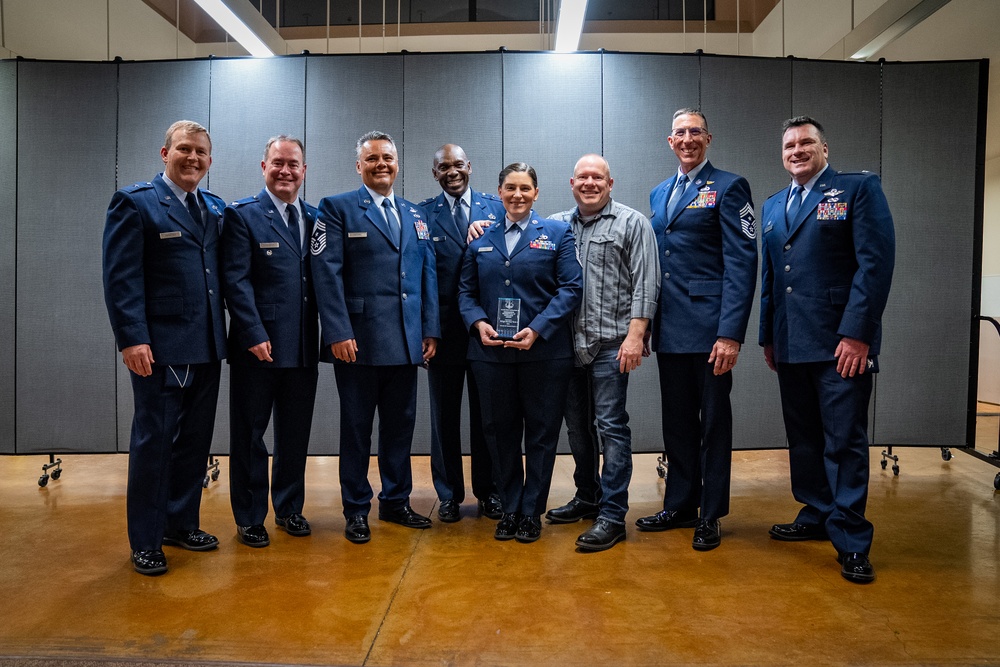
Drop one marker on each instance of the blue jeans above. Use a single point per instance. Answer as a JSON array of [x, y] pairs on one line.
[[607, 388]]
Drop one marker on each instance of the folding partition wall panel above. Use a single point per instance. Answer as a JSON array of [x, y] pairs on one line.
[[449, 98], [452, 99], [640, 94], [851, 119], [66, 136], [851, 116], [151, 96], [347, 96], [551, 116], [8, 217], [745, 100], [930, 174], [252, 100]]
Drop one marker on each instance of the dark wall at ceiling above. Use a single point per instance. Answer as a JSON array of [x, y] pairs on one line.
[[73, 132]]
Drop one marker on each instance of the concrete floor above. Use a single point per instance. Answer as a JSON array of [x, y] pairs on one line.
[[452, 595]]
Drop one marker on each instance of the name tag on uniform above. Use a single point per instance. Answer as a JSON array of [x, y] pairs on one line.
[[832, 211], [357, 235], [170, 235], [268, 245], [485, 248]]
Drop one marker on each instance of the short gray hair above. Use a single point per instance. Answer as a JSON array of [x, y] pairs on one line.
[[691, 111], [374, 135], [284, 137]]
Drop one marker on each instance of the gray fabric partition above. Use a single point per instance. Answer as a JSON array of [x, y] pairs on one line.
[[151, 96], [251, 101], [8, 217], [929, 174], [346, 97], [60, 129], [449, 98], [744, 121], [65, 366], [551, 116], [641, 93]]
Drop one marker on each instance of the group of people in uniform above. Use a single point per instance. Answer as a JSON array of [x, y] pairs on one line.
[[542, 319]]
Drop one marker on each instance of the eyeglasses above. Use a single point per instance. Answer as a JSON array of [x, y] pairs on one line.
[[695, 132]]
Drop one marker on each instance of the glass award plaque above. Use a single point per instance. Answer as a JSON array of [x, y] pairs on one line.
[[508, 318]]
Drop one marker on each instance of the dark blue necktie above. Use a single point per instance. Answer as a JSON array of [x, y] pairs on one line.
[[194, 209], [794, 203], [676, 195], [461, 220], [390, 220], [293, 224]]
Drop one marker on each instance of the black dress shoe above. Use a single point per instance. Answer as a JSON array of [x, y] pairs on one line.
[[665, 520], [601, 536], [253, 536], [857, 568], [491, 508], [448, 511], [529, 529], [294, 524], [797, 532], [507, 527], [404, 516], [357, 530], [192, 540], [707, 535], [150, 563], [573, 511]]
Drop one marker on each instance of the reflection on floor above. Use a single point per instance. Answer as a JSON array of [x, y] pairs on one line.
[[454, 596]]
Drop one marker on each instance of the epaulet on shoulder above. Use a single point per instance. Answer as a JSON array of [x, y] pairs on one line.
[[136, 187], [245, 200], [427, 201], [487, 195], [863, 172]]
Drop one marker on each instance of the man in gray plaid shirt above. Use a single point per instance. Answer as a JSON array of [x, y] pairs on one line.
[[617, 249]]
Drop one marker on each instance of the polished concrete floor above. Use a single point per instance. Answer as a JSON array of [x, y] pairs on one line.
[[452, 595]]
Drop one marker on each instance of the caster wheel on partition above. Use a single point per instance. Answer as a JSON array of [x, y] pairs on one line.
[[215, 477], [204, 482], [895, 470], [996, 482], [945, 454], [884, 463], [43, 480], [56, 474]]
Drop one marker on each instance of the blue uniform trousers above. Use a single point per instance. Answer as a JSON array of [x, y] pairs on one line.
[[171, 438]]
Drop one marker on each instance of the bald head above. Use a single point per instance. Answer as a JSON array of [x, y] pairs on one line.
[[452, 169], [591, 184]]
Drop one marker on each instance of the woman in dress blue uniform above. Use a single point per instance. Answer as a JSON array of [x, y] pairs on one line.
[[521, 281]]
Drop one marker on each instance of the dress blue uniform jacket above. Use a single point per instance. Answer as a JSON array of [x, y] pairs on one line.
[[268, 285], [161, 275], [708, 262], [383, 297], [449, 248], [828, 276], [543, 272]]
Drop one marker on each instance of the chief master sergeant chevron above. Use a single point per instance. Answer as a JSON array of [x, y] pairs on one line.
[[828, 253], [376, 290]]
